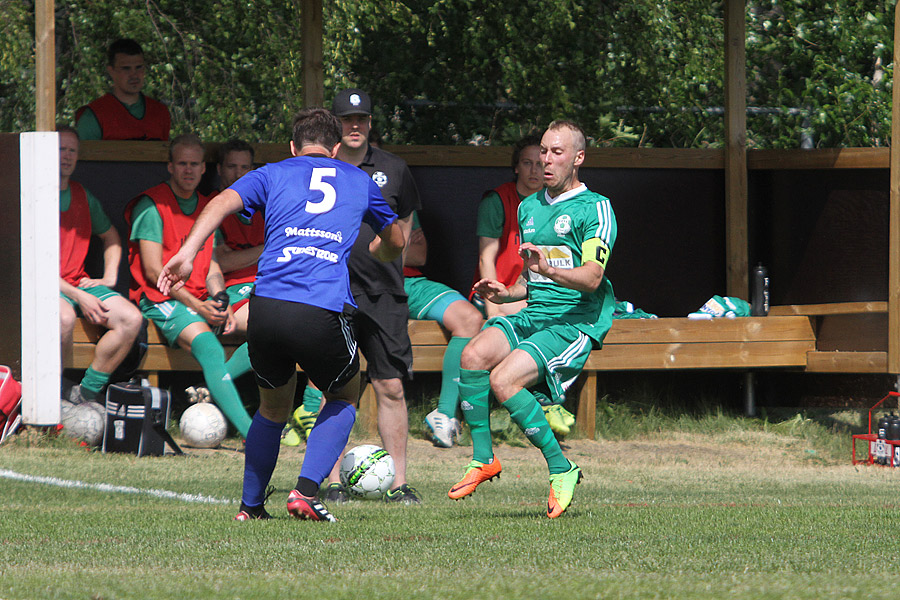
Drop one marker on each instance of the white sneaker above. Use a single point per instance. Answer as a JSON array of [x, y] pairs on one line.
[[443, 428]]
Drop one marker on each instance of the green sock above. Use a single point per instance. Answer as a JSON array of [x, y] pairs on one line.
[[449, 400], [529, 416], [239, 363], [211, 356], [312, 399], [474, 387], [93, 383]]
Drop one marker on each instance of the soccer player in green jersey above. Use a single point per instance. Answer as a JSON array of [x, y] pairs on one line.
[[567, 235]]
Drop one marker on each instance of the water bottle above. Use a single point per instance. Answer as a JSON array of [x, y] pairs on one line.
[[221, 299], [884, 424], [759, 295], [893, 434]]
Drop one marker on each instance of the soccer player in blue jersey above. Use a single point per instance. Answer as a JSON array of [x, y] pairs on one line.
[[314, 205]]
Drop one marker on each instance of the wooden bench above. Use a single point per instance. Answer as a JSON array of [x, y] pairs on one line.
[[750, 343]]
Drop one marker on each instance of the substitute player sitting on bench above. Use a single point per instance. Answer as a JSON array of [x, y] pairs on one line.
[[433, 301], [241, 239], [80, 216], [160, 219]]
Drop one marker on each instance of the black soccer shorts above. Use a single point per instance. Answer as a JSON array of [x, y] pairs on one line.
[[282, 335]]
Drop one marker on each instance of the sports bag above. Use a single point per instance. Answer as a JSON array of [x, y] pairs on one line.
[[10, 403], [136, 418]]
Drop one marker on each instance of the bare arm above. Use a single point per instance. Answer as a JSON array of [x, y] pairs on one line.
[[488, 249], [232, 260], [496, 292], [112, 255], [178, 270], [586, 278], [215, 283], [151, 261], [391, 241], [416, 249], [94, 309], [403, 228]]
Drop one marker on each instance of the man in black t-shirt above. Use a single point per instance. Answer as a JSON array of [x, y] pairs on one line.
[[381, 319]]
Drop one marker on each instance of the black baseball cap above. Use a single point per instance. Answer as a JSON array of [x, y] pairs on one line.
[[351, 101]]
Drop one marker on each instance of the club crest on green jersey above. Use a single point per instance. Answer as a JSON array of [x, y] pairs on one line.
[[563, 224]]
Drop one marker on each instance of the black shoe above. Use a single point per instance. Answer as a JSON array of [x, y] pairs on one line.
[[405, 494], [335, 493], [250, 513]]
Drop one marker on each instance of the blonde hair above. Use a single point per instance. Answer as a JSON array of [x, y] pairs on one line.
[[572, 126]]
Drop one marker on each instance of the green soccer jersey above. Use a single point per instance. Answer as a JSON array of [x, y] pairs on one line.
[[577, 226]]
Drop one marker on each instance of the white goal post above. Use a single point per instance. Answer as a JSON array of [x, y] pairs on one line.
[[41, 354]]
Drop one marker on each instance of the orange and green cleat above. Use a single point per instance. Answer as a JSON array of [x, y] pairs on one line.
[[562, 488], [476, 473]]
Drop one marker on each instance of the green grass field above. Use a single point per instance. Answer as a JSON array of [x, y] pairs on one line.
[[729, 509]]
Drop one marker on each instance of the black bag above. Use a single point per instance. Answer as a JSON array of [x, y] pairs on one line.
[[136, 419]]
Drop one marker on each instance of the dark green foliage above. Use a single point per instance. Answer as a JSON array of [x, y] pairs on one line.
[[639, 72], [832, 60]]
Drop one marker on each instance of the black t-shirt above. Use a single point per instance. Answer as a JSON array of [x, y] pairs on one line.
[[368, 275]]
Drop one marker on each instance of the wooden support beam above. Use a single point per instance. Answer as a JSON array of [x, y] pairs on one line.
[[736, 238], [586, 417], [834, 308], [45, 65], [893, 361], [313, 66]]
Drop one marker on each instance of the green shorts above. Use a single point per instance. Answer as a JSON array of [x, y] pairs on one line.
[[428, 300], [239, 294], [170, 316], [100, 292], [560, 350]]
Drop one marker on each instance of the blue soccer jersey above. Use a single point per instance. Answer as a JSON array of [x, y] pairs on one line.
[[313, 206]]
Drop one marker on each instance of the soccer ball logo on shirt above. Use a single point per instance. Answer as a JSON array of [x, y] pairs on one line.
[[380, 178], [563, 224]]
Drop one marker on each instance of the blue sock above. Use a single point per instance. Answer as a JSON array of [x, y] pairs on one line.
[[260, 456], [327, 439]]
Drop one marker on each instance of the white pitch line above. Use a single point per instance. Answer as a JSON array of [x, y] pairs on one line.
[[106, 487]]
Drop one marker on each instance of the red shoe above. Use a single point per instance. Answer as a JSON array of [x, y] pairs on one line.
[[301, 507], [476, 473]]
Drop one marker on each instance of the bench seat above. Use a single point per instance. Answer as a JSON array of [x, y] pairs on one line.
[[747, 343]]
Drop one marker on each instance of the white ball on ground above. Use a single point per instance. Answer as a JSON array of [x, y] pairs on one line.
[[84, 421], [203, 426], [367, 471]]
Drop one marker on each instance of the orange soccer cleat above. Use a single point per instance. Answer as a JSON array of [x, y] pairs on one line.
[[476, 473]]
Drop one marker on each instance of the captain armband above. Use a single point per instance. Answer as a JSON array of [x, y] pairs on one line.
[[595, 250]]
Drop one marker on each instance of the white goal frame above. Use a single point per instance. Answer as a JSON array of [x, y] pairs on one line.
[[41, 354]]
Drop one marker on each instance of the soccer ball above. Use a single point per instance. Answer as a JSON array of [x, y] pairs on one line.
[[84, 421], [203, 426], [367, 471]]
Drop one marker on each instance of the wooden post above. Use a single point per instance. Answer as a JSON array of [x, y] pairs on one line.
[[368, 412], [586, 413], [45, 65], [736, 251], [894, 219], [311, 37]]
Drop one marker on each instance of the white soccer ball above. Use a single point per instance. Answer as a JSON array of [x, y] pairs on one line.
[[367, 471], [203, 426], [84, 421]]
